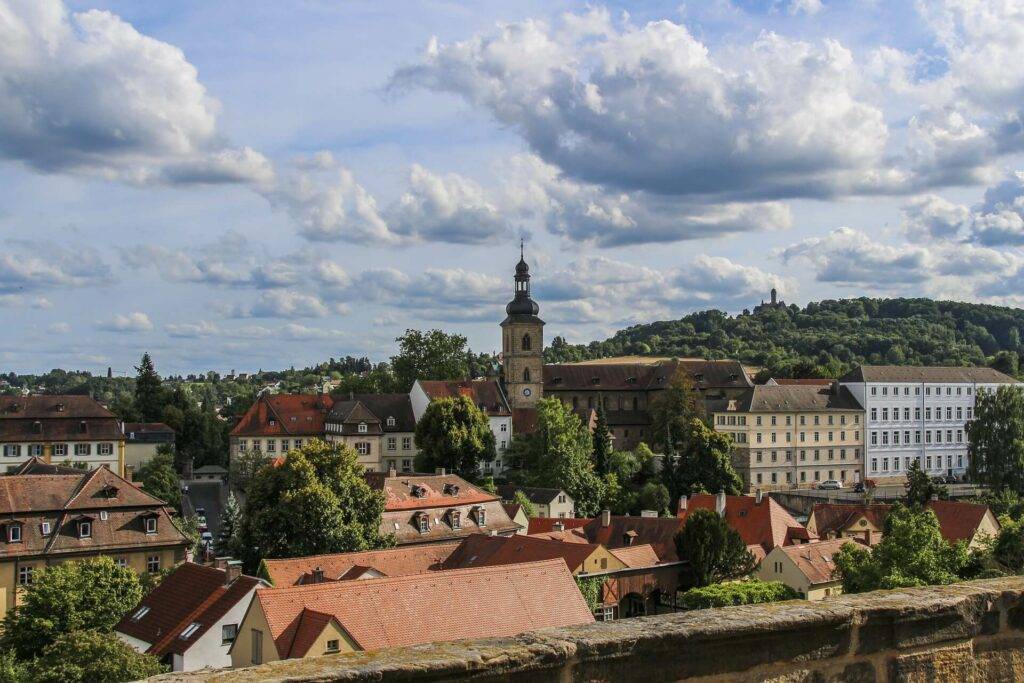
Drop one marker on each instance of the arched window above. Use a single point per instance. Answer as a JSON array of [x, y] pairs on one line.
[[526, 342], [526, 374]]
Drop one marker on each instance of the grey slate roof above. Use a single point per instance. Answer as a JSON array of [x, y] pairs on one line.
[[540, 496], [916, 373], [379, 406], [793, 398]]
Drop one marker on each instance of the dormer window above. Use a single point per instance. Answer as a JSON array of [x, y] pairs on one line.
[[391, 421], [481, 516], [455, 519], [273, 423], [109, 491], [362, 429], [423, 522], [85, 528], [44, 528], [82, 427], [151, 524], [14, 533], [37, 427], [451, 489], [417, 491]]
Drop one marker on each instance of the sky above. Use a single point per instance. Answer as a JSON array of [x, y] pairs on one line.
[[247, 185]]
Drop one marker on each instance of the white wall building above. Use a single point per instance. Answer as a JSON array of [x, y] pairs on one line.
[[917, 413]]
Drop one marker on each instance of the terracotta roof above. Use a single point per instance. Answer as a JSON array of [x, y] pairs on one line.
[[706, 374], [540, 525], [438, 490], [773, 399], [485, 393], [440, 606], [524, 420], [512, 509], [61, 499], [767, 524], [659, 532], [56, 418], [541, 496], [35, 465], [192, 593], [637, 556], [403, 561], [480, 550], [374, 410], [912, 373], [957, 521], [291, 415], [814, 560]]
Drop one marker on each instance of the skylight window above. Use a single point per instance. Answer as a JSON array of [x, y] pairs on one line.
[[189, 631], [139, 613]]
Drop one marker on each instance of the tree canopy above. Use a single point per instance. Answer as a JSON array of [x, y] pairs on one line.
[[149, 391], [315, 502], [434, 354], [996, 439], [919, 486], [673, 409], [456, 435], [159, 477], [714, 550], [749, 592], [703, 463], [90, 657]]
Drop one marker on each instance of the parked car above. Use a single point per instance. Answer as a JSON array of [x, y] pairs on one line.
[[206, 537], [200, 511], [202, 521], [831, 485], [858, 487]]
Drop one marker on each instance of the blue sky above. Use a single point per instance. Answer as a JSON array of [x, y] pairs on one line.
[[245, 185]]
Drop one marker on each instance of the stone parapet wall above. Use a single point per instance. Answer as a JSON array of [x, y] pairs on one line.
[[965, 632]]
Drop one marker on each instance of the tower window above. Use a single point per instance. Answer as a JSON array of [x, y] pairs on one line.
[[526, 342], [526, 374]]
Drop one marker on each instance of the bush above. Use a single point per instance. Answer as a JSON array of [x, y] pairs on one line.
[[736, 593]]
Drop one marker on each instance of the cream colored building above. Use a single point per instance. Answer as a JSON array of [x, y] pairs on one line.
[[808, 568], [793, 436]]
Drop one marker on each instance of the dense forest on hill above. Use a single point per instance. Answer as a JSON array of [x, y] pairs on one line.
[[826, 338]]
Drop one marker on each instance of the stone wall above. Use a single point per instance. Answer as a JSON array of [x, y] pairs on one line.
[[965, 632]]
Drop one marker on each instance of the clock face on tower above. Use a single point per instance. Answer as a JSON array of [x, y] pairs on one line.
[[527, 391]]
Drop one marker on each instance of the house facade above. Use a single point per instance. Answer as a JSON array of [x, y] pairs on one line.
[[793, 436], [918, 413], [277, 423], [46, 519], [971, 523], [808, 569], [60, 429], [142, 439], [380, 427], [547, 502]]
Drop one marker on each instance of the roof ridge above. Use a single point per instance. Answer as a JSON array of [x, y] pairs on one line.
[[172, 633], [277, 416], [86, 478]]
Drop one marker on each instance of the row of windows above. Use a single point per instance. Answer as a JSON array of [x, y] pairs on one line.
[[15, 450], [773, 477], [453, 517], [894, 439], [257, 445], [816, 453], [26, 572], [773, 436], [620, 404], [929, 462], [884, 391], [928, 413]]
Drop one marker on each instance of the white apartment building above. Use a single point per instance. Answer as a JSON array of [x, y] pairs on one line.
[[917, 413]]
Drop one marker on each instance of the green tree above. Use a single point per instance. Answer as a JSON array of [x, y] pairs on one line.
[[704, 464], [244, 468], [920, 487], [996, 439], [91, 657], [316, 502], [912, 552], [558, 455], [654, 496], [159, 478], [226, 544], [673, 409], [602, 443], [71, 596], [455, 434], [529, 509], [714, 550], [429, 355], [750, 592], [1008, 545], [149, 391]]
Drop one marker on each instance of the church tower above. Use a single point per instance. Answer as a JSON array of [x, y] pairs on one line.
[[522, 343]]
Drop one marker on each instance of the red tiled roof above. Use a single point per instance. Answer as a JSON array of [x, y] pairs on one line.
[[485, 393], [524, 420], [404, 561], [437, 492], [540, 525], [480, 550], [56, 418], [659, 532], [292, 415], [512, 509], [192, 593], [957, 521], [391, 612], [814, 560], [637, 556], [767, 524]]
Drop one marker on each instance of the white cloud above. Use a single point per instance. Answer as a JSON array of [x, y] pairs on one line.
[[58, 328], [203, 328], [132, 322], [27, 265], [283, 303], [851, 257], [22, 301], [810, 7], [85, 92]]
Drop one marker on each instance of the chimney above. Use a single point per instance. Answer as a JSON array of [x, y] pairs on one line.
[[392, 472], [606, 517], [759, 496], [720, 503], [682, 503], [232, 571], [221, 563], [318, 575], [439, 471], [558, 526]]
